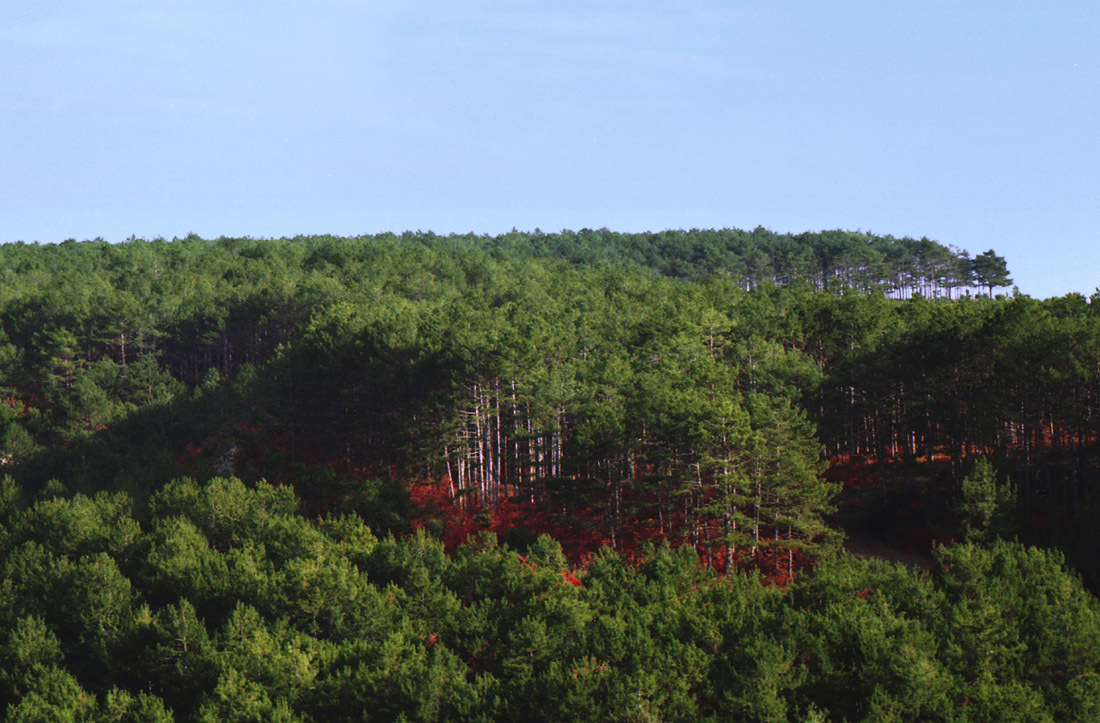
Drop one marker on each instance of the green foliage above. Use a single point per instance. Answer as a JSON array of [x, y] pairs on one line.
[[81, 525], [227, 512], [338, 623], [987, 508], [867, 636], [989, 270], [53, 694], [1017, 618], [237, 699], [31, 649], [121, 706]]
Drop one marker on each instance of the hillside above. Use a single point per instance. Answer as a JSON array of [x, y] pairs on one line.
[[539, 476]]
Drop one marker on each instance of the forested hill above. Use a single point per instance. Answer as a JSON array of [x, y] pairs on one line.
[[312, 479], [825, 260]]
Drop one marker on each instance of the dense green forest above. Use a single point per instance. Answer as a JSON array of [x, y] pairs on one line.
[[311, 479]]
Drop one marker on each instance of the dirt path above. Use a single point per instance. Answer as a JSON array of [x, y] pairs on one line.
[[860, 511], [866, 545]]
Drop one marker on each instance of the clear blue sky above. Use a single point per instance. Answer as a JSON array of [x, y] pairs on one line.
[[973, 123]]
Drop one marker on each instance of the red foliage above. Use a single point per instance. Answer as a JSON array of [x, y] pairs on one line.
[[188, 456], [581, 533], [575, 532], [852, 473]]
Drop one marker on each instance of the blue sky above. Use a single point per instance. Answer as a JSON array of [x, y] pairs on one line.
[[974, 124]]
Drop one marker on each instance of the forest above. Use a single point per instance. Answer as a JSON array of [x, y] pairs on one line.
[[573, 476]]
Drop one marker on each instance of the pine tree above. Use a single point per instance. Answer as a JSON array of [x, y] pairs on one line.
[[987, 508]]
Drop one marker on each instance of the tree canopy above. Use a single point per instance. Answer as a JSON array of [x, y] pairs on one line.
[[580, 475]]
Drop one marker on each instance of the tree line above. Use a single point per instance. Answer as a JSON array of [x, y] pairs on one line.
[[825, 260]]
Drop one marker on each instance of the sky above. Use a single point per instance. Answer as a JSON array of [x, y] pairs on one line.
[[972, 123]]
